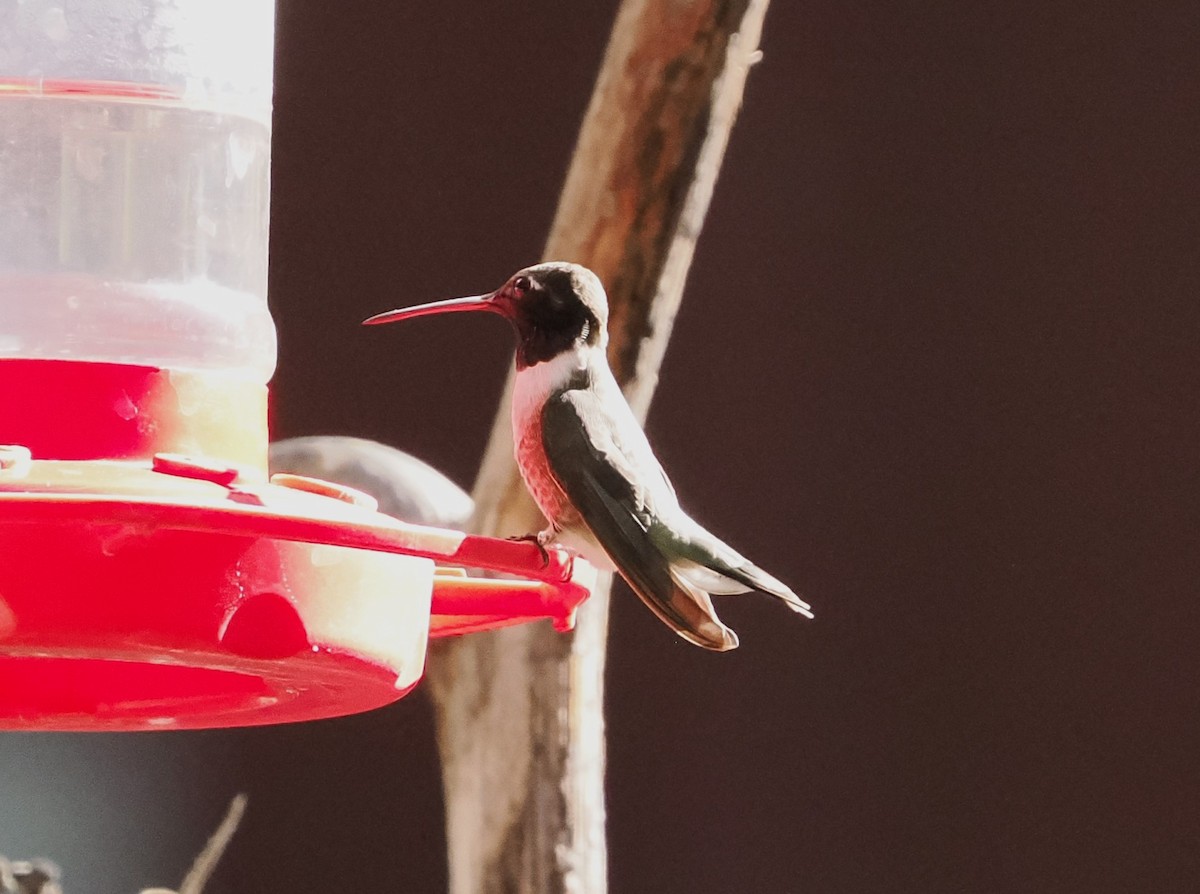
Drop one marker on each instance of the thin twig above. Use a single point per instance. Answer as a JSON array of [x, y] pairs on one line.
[[206, 861]]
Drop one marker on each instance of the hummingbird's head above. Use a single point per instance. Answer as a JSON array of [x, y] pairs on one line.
[[554, 307]]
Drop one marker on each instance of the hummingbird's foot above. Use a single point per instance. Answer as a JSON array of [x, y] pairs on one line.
[[540, 539]]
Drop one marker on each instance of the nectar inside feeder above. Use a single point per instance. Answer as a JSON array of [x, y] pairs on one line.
[[152, 576]]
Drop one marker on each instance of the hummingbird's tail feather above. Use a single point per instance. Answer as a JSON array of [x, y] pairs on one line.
[[707, 562], [679, 603], [757, 579], [689, 612]]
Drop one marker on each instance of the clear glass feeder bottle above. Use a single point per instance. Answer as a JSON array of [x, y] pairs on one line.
[[135, 183]]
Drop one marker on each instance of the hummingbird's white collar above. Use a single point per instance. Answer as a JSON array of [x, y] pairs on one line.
[[535, 384]]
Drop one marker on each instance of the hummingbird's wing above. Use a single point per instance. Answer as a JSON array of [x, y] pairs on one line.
[[600, 476]]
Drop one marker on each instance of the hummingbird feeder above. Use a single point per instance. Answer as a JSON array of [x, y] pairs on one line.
[[152, 575]]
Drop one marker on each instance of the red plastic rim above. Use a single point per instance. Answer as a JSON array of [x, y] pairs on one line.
[[187, 597]]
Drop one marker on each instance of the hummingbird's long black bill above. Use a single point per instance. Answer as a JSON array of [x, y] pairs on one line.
[[449, 306]]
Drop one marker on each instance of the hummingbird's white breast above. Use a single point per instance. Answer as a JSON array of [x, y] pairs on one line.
[[533, 386]]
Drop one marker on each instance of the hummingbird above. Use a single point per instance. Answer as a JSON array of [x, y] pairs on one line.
[[587, 463]]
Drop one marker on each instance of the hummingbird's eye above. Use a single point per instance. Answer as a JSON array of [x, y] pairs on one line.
[[521, 285]]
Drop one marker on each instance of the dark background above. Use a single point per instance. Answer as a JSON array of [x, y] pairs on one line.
[[938, 325]]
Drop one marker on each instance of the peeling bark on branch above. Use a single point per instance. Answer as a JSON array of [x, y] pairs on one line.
[[520, 722]]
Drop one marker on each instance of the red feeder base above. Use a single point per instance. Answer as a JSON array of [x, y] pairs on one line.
[[179, 597], [141, 589]]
